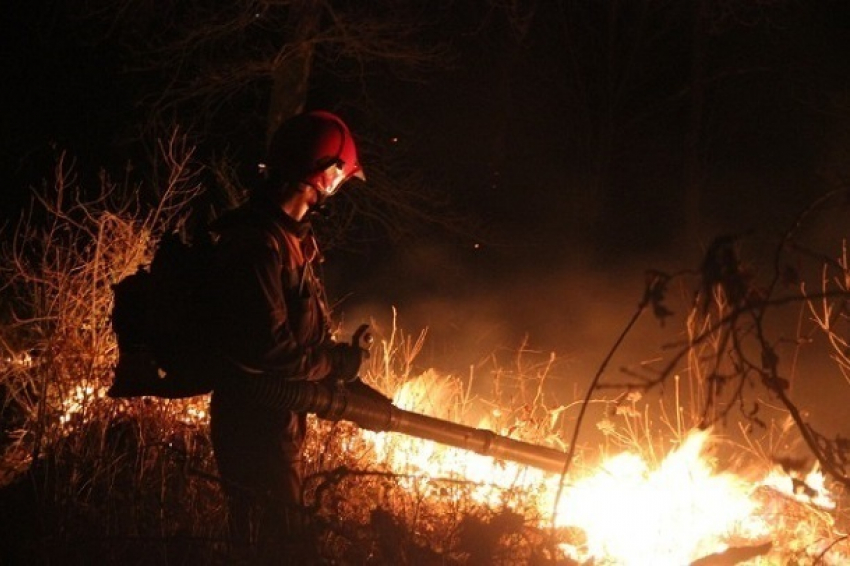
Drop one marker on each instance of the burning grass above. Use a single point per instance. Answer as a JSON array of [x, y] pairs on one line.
[[642, 505], [91, 479]]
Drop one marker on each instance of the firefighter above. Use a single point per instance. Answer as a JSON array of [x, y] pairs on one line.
[[270, 319]]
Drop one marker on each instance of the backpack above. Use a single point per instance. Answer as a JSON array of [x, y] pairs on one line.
[[157, 317]]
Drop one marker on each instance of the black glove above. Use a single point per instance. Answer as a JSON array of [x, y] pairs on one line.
[[362, 338], [345, 361], [347, 358]]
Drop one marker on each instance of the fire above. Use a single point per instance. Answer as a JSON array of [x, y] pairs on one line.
[[424, 459], [625, 509], [810, 489], [630, 511], [75, 402], [672, 514]]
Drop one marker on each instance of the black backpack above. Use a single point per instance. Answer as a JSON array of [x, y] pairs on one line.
[[157, 317]]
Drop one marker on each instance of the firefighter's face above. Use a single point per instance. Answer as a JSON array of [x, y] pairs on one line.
[[301, 201]]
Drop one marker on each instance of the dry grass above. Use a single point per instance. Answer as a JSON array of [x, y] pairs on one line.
[[387, 509], [87, 479], [99, 478]]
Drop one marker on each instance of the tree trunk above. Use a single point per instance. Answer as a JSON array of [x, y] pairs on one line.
[[291, 74]]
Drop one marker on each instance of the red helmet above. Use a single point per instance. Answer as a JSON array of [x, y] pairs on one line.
[[315, 148]]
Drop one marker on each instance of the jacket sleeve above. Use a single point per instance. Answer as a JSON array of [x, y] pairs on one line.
[[253, 330]]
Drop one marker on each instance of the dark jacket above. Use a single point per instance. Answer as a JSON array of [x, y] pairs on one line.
[[268, 320], [269, 314]]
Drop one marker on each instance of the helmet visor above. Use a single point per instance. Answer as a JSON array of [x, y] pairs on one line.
[[329, 181]]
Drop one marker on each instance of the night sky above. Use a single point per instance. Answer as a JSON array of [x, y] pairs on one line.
[[568, 151]]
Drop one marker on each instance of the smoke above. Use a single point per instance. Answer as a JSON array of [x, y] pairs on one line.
[[485, 308]]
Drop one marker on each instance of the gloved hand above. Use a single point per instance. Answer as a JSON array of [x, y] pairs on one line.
[[345, 361], [362, 338]]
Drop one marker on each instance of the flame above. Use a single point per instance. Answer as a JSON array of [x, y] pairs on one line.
[[809, 489], [75, 401], [623, 510], [631, 511], [426, 459], [672, 514]]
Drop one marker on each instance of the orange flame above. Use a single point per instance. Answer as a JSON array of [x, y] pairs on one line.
[[631, 512], [627, 510], [670, 515]]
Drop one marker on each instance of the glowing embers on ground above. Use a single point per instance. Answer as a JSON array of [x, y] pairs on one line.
[[627, 510]]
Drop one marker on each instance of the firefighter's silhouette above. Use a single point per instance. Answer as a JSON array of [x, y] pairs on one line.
[[269, 319]]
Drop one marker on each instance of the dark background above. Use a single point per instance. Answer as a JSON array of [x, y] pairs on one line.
[[566, 154]]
